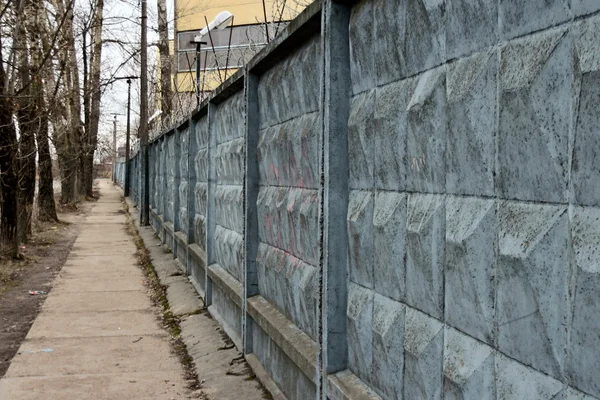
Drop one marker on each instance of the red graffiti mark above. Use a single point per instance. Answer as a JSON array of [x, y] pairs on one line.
[[275, 172]]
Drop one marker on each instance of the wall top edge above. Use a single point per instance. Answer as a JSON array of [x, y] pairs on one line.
[[232, 85], [305, 25]]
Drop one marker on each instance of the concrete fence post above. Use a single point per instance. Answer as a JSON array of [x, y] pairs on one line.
[[211, 220], [335, 110], [176, 183], [165, 187], [192, 180], [251, 188]]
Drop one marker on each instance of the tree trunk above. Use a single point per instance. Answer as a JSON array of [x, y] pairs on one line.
[[8, 176], [27, 118], [71, 166], [166, 89], [96, 96], [46, 205]]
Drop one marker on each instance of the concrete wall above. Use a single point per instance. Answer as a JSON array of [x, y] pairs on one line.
[[400, 199]]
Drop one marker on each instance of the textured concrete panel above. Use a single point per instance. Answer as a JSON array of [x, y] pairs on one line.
[[472, 125], [291, 285], [515, 381], [360, 238], [426, 134], [362, 52], [280, 97], [288, 219], [471, 234], [520, 17], [288, 153], [425, 45], [423, 356], [535, 116], [389, 136], [229, 210], [182, 164], [586, 152], [390, 32], [360, 140], [583, 7], [584, 345], [230, 158], [470, 26], [572, 394], [425, 253], [388, 347], [389, 239], [201, 132], [201, 165], [533, 285], [468, 368], [360, 333], [201, 210], [229, 118], [229, 251], [171, 164]]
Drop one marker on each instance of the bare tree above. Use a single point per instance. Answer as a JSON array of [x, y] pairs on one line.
[[166, 92]]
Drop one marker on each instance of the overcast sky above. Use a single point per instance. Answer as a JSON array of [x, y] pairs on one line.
[[122, 23]]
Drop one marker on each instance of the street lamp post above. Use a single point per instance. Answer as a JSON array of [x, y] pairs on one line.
[[199, 43], [128, 79], [221, 21]]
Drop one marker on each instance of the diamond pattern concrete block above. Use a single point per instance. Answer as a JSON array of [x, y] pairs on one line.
[[425, 253], [468, 368], [424, 46], [390, 33], [583, 7], [533, 285], [584, 346], [472, 125], [388, 347], [362, 60], [360, 238], [389, 221], [470, 26], [423, 356], [360, 140], [471, 226], [515, 381], [389, 138], [360, 332], [426, 139], [572, 394], [516, 19], [536, 109], [586, 152]]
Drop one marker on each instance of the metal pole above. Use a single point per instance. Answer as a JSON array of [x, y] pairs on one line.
[[198, 48], [126, 189], [114, 152], [145, 192]]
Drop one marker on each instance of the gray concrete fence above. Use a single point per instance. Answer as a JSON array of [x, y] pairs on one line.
[[401, 199]]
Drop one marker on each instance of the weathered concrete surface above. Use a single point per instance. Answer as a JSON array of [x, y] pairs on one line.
[[219, 366], [183, 299], [457, 142], [97, 336]]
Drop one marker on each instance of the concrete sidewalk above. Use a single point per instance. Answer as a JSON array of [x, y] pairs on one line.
[[97, 335]]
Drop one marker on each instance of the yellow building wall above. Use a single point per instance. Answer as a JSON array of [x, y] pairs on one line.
[[190, 14], [209, 80]]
